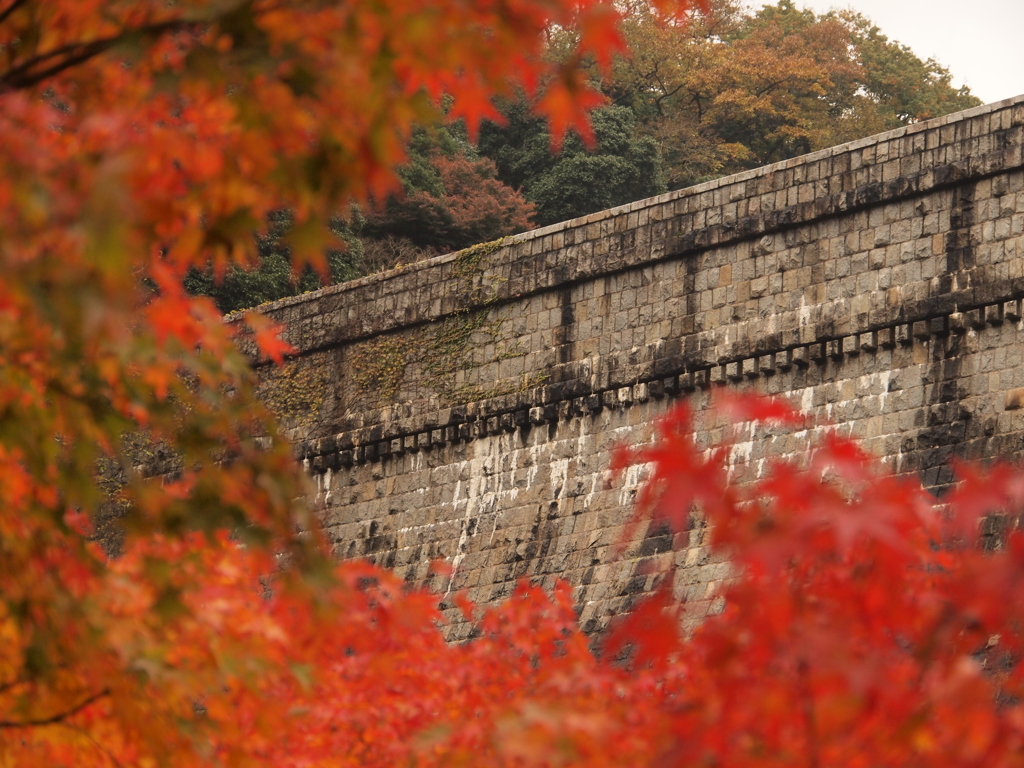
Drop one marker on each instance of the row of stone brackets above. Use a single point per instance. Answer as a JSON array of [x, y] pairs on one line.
[[348, 449]]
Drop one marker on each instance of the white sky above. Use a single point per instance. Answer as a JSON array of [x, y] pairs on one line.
[[981, 42]]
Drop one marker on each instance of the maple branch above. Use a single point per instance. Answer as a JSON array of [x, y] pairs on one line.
[[771, 85], [700, 107], [666, 92], [89, 737], [22, 76], [11, 9], [58, 718], [12, 684]]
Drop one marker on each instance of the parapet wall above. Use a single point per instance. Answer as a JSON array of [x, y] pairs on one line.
[[465, 407]]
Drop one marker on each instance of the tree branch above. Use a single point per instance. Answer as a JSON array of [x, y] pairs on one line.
[[58, 718], [23, 76], [11, 9], [4, 687], [84, 733]]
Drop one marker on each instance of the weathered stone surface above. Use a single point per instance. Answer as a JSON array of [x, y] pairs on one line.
[[465, 408]]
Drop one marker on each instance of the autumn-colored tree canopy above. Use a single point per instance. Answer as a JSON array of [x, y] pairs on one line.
[[451, 198], [721, 90], [740, 88], [139, 139], [734, 87]]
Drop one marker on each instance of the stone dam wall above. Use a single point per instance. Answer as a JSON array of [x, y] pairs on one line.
[[464, 408]]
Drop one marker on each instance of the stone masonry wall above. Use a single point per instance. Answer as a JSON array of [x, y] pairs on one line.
[[464, 408]]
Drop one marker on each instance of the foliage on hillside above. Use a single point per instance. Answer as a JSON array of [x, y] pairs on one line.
[[734, 89], [728, 90], [451, 198], [241, 287], [619, 168]]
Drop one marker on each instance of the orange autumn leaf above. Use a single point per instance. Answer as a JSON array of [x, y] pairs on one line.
[[267, 337]]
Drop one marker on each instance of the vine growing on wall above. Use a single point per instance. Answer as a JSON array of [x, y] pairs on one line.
[[294, 392], [376, 367], [443, 353]]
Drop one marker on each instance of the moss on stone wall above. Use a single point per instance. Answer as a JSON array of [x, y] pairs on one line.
[[294, 392], [443, 352], [376, 367]]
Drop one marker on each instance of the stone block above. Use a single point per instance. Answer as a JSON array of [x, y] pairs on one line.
[[939, 326], [1014, 399]]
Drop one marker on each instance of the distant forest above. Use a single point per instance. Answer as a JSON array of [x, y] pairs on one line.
[[729, 90]]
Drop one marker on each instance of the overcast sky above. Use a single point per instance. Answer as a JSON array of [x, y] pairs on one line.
[[981, 42]]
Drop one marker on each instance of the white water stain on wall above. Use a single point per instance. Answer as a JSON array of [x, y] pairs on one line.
[[488, 487]]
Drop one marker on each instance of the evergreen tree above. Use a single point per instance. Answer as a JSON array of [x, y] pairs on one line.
[[622, 166], [275, 277]]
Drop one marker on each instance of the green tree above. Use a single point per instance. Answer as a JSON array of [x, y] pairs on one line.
[[621, 167], [451, 198], [275, 276]]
